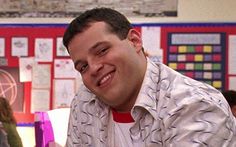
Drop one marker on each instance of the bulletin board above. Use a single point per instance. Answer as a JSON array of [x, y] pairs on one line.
[[18, 42], [203, 51]]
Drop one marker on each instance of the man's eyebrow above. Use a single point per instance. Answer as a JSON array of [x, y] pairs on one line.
[[93, 47], [97, 44]]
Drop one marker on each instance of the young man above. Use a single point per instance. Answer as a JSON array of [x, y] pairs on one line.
[[129, 101]]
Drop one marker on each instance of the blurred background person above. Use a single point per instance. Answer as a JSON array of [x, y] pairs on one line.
[[3, 137], [230, 96], [9, 123]]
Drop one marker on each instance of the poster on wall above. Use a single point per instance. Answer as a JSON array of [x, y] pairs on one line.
[[199, 56], [232, 54], [11, 88], [151, 38], [26, 65], [43, 49], [64, 68], [19, 46], [232, 83], [61, 49], [2, 47], [41, 76], [64, 91], [40, 100], [3, 61]]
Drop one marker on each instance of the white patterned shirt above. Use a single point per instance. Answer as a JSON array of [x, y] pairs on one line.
[[122, 124], [171, 110]]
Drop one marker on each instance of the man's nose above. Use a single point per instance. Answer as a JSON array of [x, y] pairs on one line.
[[95, 68]]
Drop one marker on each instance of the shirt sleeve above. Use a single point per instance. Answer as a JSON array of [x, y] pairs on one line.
[[199, 123]]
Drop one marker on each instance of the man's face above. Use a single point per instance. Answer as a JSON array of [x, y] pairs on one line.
[[113, 69]]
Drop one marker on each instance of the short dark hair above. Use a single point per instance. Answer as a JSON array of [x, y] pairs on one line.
[[230, 96], [117, 22]]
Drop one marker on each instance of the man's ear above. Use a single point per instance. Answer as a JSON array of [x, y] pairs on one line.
[[135, 38]]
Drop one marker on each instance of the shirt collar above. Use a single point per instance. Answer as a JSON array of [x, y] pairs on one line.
[[147, 97]]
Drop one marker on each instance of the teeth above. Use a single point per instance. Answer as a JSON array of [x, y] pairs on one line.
[[105, 79]]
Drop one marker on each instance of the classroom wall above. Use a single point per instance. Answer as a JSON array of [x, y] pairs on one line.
[[199, 11], [188, 11], [207, 10]]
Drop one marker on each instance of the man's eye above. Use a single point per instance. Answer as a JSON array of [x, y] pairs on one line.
[[102, 51], [83, 68]]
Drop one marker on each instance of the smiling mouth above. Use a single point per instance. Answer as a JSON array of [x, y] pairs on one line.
[[105, 80]]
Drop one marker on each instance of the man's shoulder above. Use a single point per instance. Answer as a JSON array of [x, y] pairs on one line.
[[181, 89]]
